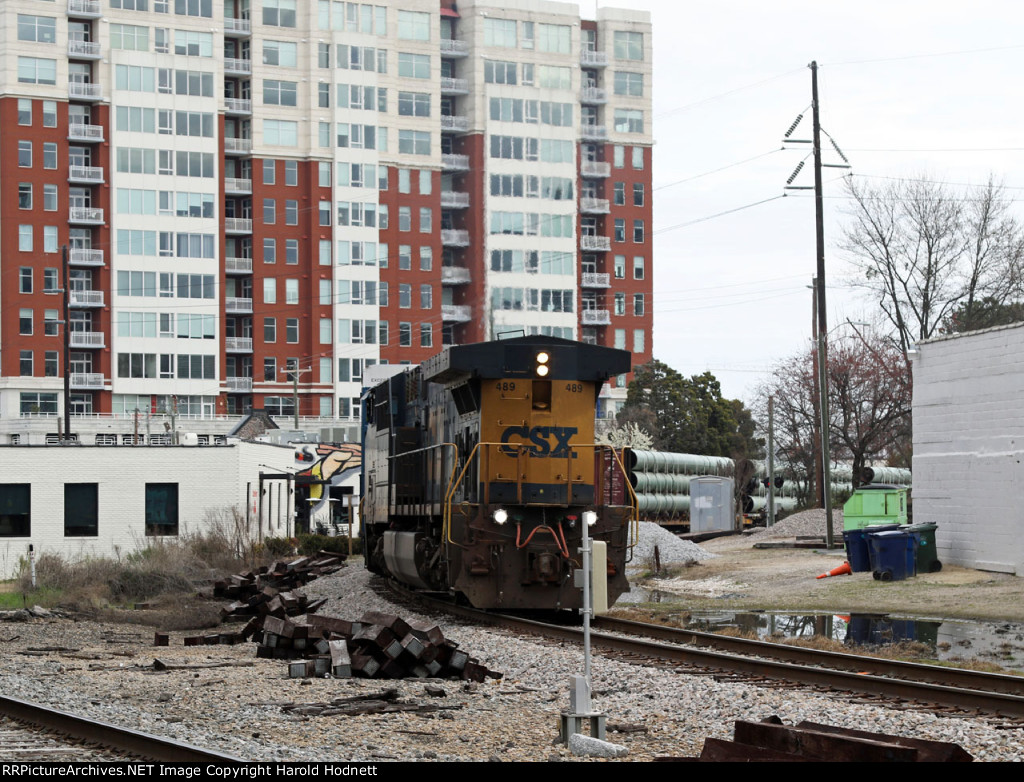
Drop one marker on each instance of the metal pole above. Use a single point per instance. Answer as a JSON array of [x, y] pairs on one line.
[[819, 224], [771, 461], [67, 347]]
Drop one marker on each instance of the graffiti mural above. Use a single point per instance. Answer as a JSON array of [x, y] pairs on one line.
[[331, 463]]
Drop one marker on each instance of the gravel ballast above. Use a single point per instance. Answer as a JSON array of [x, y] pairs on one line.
[[106, 674]]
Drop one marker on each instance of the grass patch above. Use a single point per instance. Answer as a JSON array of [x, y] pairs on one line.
[[14, 600]]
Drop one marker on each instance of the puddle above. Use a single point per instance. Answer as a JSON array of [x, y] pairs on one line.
[[950, 640]]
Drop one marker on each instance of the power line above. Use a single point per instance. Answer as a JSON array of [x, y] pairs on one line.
[[955, 52], [702, 101], [716, 170], [719, 214]]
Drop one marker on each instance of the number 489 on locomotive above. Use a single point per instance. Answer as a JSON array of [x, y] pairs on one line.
[[478, 466]]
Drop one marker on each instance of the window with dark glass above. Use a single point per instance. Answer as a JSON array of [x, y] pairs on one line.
[[81, 510], [15, 510], [161, 509]]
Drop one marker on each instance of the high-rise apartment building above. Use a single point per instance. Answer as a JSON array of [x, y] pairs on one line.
[[251, 186]]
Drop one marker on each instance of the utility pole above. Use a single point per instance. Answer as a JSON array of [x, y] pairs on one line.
[[771, 461], [67, 347], [295, 372], [819, 228]]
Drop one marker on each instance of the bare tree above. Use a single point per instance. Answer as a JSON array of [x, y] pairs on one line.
[[924, 249], [869, 388]]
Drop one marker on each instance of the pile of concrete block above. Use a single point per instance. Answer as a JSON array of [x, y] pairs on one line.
[[377, 646]]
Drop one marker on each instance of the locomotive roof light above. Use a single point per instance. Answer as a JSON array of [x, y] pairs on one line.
[[542, 363], [590, 517], [500, 516]]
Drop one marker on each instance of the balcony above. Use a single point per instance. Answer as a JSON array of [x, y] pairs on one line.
[[87, 380], [595, 243], [450, 199], [450, 86], [595, 169], [458, 313], [237, 146], [238, 225], [233, 265], [235, 66], [85, 215], [85, 298], [238, 385], [87, 339], [237, 106], [453, 124], [593, 95], [596, 318], [237, 186], [85, 175], [452, 48], [234, 305], [594, 206], [238, 344], [451, 162], [454, 275], [595, 280], [590, 132], [454, 238], [589, 59], [80, 257], [80, 90], [89, 9], [237, 27], [81, 131], [83, 50]]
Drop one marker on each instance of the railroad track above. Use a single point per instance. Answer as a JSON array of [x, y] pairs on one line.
[[951, 688], [32, 733]]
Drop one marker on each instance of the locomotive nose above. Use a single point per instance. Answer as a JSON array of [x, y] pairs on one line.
[[547, 567]]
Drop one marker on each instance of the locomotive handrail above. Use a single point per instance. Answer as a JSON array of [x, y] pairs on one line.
[[455, 463], [634, 505]]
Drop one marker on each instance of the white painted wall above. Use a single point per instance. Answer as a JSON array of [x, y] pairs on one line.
[[208, 478], [969, 447]]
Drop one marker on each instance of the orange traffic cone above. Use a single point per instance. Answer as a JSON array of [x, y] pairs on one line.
[[843, 570]]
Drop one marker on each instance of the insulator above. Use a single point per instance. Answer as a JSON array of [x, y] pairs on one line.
[[793, 126], [796, 171], [835, 146]]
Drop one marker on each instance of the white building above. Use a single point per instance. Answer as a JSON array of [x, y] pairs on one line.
[[969, 446]]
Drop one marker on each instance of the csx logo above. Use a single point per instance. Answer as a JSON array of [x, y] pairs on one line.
[[541, 438]]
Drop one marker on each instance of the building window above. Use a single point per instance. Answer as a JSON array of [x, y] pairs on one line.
[[426, 259], [405, 257], [81, 510], [25, 238], [404, 218], [24, 111], [269, 250], [619, 156], [269, 171], [279, 13], [291, 251], [620, 267], [49, 198], [426, 219], [426, 335], [161, 509], [629, 84], [638, 267], [629, 121], [638, 304], [26, 363], [25, 322], [426, 297], [291, 291], [638, 158], [24, 154], [620, 230], [291, 173], [49, 113], [620, 303], [34, 404], [25, 195], [50, 364], [405, 335], [269, 211], [15, 510], [629, 45], [638, 194], [620, 193], [291, 211], [404, 295], [292, 331], [414, 25], [638, 231], [25, 279], [49, 155], [270, 329]]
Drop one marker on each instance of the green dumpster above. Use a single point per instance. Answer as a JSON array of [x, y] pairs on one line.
[[875, 503]]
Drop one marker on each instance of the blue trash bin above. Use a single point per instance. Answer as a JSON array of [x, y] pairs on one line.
[[892, 555], [858, 553]]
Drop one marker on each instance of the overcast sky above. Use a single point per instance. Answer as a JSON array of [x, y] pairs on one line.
[[907, 88]]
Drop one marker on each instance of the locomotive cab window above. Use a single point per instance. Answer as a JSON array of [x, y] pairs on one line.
[[542, 395]]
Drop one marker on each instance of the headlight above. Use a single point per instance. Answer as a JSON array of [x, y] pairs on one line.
[[590, 517], [500, 516]]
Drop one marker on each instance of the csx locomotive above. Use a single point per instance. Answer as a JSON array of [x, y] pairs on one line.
[[480, 468]]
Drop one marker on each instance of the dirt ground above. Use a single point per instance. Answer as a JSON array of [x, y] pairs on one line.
[[743, 577]]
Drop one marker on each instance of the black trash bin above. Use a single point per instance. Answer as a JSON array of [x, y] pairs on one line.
[[924, 547]]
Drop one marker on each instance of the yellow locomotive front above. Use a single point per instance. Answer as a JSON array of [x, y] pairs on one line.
[[528, 470]]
